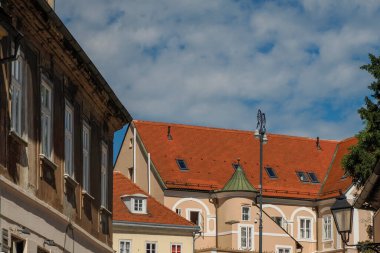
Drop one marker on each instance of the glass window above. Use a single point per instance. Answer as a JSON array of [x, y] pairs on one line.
[[46, 116], [305, 228], [245, 237], [245, 213], [181, 164], [104, 175], [176, 248], [138, 205], [151, 247], [125, 246], [18, 90], [178, 211], [69, 140], [313, 177], [194, 217], [327, 228], [271, 173], [302, 176], [283, 250], [86, 156]]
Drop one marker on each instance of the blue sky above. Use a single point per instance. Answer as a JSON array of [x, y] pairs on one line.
[[215, 63]]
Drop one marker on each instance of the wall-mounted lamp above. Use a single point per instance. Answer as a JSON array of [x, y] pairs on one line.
[[7, 30]]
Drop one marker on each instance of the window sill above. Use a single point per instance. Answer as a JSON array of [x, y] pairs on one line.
[[46, 161], [71, 180], [88, 195], [104, 210], [327, 240], [15, 136], [306, 240]]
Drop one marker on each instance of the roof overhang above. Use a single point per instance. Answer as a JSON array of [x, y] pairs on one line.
[[156, 227], [228, 194], [369, 198]]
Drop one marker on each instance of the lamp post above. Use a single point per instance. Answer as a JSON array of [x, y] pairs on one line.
[[342, 214], [260, 134]]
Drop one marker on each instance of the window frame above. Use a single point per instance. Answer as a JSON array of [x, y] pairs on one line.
[[104, 175], [86, 153], [283, 247], [304, 175], [247, 214], [311, 235], [125, 241], [69, 164], [48, 113], [175, 244], [311, 175], [143, 204], [249, 237], [178, 211], [325, 225], [274, 176], [151, 243], [178, 161], [188, 215]]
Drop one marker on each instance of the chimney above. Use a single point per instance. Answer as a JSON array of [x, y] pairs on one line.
[[169, 134], [318, 144], [51, 3]]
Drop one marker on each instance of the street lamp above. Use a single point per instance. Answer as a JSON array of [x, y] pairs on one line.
[[260, 134], [342, 214]]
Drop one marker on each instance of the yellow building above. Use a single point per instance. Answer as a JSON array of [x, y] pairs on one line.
[[142, 224], [190, 168]]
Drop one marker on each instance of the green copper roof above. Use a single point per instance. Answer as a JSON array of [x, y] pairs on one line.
[[238, 182]]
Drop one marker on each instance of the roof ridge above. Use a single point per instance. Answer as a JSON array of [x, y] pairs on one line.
[[308, 138]]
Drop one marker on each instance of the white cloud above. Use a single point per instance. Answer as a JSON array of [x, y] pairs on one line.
[[216, 62]]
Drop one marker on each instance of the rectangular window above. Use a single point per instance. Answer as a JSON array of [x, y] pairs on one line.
[[178, 211], [125, 247], [17, 245], [104, 175], [278, 220], [194, 217], [245, 213], [313, 177], [86, 156], [181, 164], [17, 90], [46, 116], [176, 248], [271, 173], [138, 205], [302, 176], [69, 140], [151, 247], [327, 228], [245, 237], [305, 229], [283, 250]]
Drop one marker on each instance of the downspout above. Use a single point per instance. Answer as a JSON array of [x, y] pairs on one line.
[[149, 173], [134, 155], [317, 226]]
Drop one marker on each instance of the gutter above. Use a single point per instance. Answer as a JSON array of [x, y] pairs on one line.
[[122, 111], [155, 225]]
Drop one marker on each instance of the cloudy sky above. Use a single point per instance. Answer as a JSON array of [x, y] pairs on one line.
[[215, 63]]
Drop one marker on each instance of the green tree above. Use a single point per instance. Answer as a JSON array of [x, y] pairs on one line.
[[362, 159]]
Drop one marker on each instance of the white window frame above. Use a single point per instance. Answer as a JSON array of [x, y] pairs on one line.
[[250, 242], [284, 247], [104, 175], [143, 204], [178, 211], [69, 139], [175, 244], [47, 114], [243, 218], [86, 156], [18, 86], [156, 246], [189, 210], [326, 225], [125, 241], [311, 228]]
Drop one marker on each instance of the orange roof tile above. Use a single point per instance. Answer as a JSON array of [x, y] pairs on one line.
[[157, 213], [210, 152]]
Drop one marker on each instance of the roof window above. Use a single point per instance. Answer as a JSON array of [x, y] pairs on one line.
[[181, 164], [313, 177], [136, 203], [271, 173], [302, 176]]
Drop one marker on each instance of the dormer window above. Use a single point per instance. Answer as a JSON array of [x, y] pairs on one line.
[[181, 164], [136, 203], [313, 177], [302, 176], [271, 173]]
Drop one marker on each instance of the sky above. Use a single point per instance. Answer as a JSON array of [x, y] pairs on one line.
[[215, 63]]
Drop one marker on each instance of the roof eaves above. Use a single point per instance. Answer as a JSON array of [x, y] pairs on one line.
[[155, 225]]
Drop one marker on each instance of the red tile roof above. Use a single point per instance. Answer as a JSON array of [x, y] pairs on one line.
[[157, 213], [210, 152]]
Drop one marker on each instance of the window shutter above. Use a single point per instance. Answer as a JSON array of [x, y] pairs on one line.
[[4, 240]]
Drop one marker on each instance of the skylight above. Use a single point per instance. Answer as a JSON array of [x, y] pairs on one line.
[[313, 177], [181, 164], [302, 176], [270, 172]]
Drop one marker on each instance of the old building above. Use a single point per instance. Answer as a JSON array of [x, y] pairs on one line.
[[57, 119], [210, 177], [142, 224]]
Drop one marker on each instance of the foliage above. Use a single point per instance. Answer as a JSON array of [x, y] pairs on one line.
[[362, 159]]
